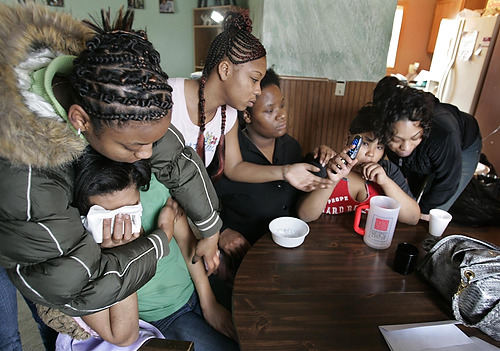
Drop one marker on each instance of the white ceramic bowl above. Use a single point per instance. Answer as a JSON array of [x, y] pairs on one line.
[[288, 231]]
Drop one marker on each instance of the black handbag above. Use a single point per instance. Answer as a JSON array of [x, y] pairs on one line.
[[466, 271]]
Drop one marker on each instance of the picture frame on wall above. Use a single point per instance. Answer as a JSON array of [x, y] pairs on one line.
[[58, 3], [135, 4], [166, 6]]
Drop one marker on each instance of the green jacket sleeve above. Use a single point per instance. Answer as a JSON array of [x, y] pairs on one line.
[[181, 170], [50, 257]]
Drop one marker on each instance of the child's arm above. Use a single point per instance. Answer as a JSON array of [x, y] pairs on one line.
[[409, 212], [312, 204], [167, 217], [215, 314], [118, 324]]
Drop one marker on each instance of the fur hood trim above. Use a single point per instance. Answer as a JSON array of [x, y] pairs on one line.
[[29, 133]]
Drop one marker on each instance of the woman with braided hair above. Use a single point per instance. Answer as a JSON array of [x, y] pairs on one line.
[[205, 110], [121, 108]]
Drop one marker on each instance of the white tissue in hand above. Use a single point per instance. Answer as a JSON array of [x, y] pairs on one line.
[[93, 221]]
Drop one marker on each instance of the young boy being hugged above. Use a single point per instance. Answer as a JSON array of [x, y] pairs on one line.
[[170, 301]]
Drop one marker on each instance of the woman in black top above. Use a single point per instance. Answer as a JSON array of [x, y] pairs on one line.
[[247, 208], [436, 145]]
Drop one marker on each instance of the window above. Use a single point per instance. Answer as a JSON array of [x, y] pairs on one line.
[[396, 29]]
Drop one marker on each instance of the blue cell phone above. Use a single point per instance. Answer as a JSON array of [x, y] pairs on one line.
[[356, 142], [353, 151]]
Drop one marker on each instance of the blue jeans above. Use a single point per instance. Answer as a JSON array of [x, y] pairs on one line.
[[9, 329], [188, 324], [470, 158]]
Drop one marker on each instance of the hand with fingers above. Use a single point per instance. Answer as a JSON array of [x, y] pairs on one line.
[[207, 249], [374, 172], [220, 319], [300, 177], [121, 233], [176, 209], [340, 165], [167, 217], [311, 205], [323, 154]]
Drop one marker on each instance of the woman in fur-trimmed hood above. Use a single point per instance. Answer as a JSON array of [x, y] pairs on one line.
[[123, 108], [30, 37]]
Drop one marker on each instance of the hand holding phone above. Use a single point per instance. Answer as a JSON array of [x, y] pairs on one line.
[[355, 146], [315, 162], [352, 152]]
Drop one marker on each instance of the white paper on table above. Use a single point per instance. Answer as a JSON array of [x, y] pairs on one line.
[[482, 345], [442, 336]]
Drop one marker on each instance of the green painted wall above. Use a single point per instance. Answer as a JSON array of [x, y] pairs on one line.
[[171, 34], [337, 39]]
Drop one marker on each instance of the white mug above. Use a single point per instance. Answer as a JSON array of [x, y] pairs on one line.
[[381, 221], [438, 221]]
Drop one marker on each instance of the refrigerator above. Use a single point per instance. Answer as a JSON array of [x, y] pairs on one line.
[[461, 59]]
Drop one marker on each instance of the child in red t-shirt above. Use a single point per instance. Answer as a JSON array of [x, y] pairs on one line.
[[367, 179]]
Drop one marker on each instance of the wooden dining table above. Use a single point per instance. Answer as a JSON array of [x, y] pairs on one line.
[[333, 291]]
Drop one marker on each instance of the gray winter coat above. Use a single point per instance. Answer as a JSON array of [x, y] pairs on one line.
[[48, 254]]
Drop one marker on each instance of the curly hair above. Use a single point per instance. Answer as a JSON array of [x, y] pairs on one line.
[[406, 104], [237, 43], [368, 119], [118, 77]]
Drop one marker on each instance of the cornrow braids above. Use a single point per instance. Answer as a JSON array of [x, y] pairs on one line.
[[237, 43], [215, 172], [118, 77], [200, 143]]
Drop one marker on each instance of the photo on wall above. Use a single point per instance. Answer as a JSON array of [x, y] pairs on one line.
[[58, 3], [167, 6], [135, 4]]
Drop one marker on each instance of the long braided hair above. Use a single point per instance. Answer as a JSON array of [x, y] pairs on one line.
[[237, 43], [118, 77]]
